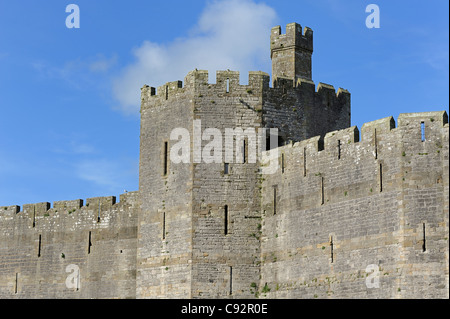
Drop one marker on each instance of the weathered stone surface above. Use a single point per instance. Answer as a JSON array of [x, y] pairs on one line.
[[345, 209]]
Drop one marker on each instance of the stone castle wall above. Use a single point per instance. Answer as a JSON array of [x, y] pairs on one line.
[[335, 208], [345, 210], [93, 248]]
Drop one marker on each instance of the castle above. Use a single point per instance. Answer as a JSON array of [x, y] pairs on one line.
[[346, 213]]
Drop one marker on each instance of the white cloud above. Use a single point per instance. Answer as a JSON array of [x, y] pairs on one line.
[[102, 64], [113, 175], [79, 73], [101, 172], [230, 34]]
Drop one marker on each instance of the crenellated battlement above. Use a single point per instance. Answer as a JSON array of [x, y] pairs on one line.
[[333, 200], [94, 204], [196, 84], [291, 53], [295, 36], [374, 133], [308, 87]]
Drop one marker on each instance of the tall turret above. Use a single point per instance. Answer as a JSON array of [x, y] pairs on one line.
[[291, 53]]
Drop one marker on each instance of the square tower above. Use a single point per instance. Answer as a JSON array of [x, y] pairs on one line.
[[291, 53]]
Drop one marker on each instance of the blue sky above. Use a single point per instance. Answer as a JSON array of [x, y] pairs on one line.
[[69, 98]]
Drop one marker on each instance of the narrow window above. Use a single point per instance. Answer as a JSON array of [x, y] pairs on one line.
[[322, 193], [167, 92], [34, 216], [98, 213], [424, 247], [244, 151], [231, 280], [225, 219], [228, 85], [78, 279], [89, 242], [39, 246], [339, 149], [226, 168], [282, 163], [166, 150], [422, 129], [274, 200], [304, 161], [164, 225], [376, 143], [17, 283], [331, 249], [381, 177]]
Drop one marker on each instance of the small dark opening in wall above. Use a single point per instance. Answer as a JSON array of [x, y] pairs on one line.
[[16, 283], [244, 151], [322, 191], [304, 161], [375, 143], [274, 200], [380, 177], [164, 225], [422, 129], [39, 246], [320, 144], [272, 139], [166, 151], [424, 247], [89, 242], [228, 85], [281, 141], [98, 213], [226, 167], [34, 217], [282, 163], [225, 219], [167, 92], [331, 249], [231, 280], [339, 149]]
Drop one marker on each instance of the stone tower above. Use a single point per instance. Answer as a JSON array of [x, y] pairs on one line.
[[291, 53], [195, 231], [294, 105], [200, 225], [209, 221]]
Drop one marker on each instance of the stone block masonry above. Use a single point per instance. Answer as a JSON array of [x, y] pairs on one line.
[[40, 242], [349, 213], [381, 200]]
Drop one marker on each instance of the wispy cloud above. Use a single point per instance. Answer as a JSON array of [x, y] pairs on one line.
[[438, 58], [78, 73], [74, 148], [102, 172], [102, 63], [230, 34]]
